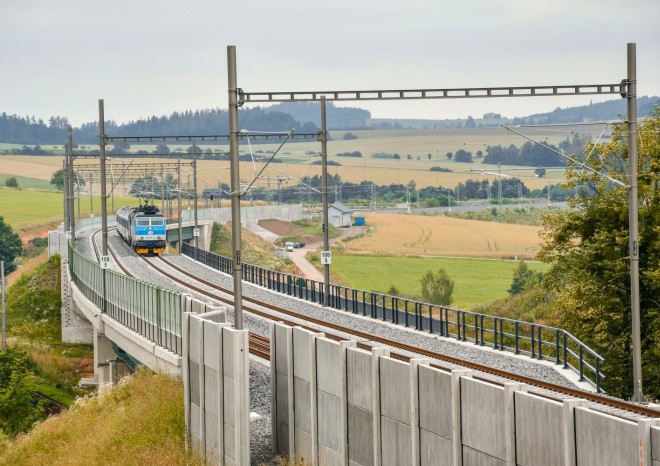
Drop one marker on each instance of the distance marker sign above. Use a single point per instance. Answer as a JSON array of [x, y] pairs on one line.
[[326, 257]]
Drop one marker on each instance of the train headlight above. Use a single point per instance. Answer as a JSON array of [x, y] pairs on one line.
[[141, 237]]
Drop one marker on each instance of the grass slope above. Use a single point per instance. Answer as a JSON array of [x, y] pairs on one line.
[[140, 421], [477, 281]]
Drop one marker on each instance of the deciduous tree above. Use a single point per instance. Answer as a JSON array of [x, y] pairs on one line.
[[588, 247]]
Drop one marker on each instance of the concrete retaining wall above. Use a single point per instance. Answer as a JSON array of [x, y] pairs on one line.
[[336, 404], [285, 212]]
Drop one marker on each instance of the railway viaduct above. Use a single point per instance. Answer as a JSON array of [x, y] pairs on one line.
[[332, 402]]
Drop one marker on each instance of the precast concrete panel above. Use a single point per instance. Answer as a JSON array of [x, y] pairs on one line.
[[604, 440], [282, 435], [435, 401], [301, 354], [360, 436], [539, 431], [359, 377], [655, 443], [211, 387], [330, 457], [473, 457], [396, 446], [212, 434], [195, 423], [328, 367], [303, 445], [282, 409], [482, 417], [329, 421], [281, 355], [395, 390], [228, 357], [229, 402], [302, 405], [435, 450], [193, 378], [230, 442], [211, 346]]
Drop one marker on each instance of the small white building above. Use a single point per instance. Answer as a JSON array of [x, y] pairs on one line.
[[340, 216]]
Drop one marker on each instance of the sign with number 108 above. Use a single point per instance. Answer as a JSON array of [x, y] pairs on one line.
[[326, 257]]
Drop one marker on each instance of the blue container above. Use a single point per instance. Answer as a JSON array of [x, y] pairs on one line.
[[359, 221]]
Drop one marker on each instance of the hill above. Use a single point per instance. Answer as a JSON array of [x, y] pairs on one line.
[[303, 116]]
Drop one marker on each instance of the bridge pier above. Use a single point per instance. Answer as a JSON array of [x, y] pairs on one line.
[[104, 360]]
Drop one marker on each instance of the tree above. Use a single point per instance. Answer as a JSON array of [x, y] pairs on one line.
[[10, 246], [463, 156], [349, 136], [57, 179], [437, 288], [18, 409], [449, 155], [429, 155], [540, 172], [470, 122], [588, 247], [11, 182], [524, 279]]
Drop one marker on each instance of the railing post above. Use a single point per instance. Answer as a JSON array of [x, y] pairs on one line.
[[517, 335], [557, 359], [533, 340], [495, 344], [501, 334], [476, 329], [581, 365], [598, 390], [540, 343], [565, 352]]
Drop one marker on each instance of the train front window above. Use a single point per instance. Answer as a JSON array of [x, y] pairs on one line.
[[157, 222], [143, 222]]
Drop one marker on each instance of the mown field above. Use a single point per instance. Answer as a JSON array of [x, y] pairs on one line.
[[477, 281], [419, 235], [27, 209]]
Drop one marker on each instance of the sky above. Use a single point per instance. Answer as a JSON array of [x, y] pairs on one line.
[[154, 57]]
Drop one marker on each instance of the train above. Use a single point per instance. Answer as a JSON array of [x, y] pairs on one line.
[[143, 228]]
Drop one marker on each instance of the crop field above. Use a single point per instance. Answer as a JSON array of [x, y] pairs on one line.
[[41, 167], [297, 158], [27, 182], [477, 281], [419, 235]]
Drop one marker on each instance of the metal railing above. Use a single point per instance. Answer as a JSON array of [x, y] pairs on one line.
[[152, 311], [536, 341]]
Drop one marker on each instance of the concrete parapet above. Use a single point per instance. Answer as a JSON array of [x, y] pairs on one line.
[[364, 408]]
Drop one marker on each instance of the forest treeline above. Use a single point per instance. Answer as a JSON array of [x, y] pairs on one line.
[[301, 116]]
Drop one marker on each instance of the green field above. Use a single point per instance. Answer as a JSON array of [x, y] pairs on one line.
[[26, 182], [477, 281], [24, 209]]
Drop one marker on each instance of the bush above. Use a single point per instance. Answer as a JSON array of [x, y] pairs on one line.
[[11, 182]]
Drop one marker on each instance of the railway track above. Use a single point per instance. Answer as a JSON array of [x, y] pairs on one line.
[[260, 345]]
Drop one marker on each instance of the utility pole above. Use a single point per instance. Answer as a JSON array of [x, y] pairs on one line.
[[104, 206], [162, 189], [196, 230], [326, 233], [91, 201], [72, 227], [178, 172], [633, 207], [235, 186]]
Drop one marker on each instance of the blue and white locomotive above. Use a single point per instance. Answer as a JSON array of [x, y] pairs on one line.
[[143, 228]]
